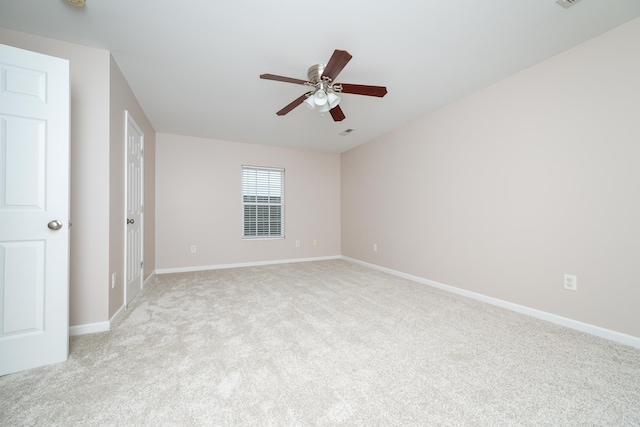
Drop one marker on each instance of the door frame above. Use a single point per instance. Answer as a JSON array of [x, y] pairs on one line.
[[129, 120]]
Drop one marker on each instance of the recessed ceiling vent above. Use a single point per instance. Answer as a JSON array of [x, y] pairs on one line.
[[78, 3], [567, 3], [346, 132]]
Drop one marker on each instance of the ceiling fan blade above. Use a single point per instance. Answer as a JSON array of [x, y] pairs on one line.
[[338, 60], [378, 91], [282, 79], [293, 104], [337, 114]]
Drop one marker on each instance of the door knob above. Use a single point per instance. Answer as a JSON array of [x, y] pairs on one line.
[[130, 221], [55, 225]]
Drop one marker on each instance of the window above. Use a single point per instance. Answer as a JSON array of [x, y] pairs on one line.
[[263, 202]]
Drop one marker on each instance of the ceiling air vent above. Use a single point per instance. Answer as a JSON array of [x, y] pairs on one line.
[[346, 132], [567, 3]]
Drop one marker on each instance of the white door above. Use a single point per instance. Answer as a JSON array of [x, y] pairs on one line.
[[34, 210], [133, 240]]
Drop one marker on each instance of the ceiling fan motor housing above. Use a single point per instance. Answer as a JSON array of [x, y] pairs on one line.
[[315, 73]]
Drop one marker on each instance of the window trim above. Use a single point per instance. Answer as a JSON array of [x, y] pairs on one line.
[[281, 204]]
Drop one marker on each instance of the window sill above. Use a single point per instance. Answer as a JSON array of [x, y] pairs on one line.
[[263, 238]]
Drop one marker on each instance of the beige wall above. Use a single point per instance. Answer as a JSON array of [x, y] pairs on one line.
[[504, 191], [198, 202], [122, 99], [99, 96]]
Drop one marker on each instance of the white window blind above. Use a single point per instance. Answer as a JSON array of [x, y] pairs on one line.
[[263, 202]]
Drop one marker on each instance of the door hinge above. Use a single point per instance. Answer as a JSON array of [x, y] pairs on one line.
[[141, 264], [141, 153]]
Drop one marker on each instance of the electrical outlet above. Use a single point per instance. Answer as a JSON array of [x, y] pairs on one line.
[[193, 249], [375, 248], [297, 243], [570, 282], [114, 279]]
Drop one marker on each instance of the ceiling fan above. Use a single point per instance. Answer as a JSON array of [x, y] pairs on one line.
[[323, 92]]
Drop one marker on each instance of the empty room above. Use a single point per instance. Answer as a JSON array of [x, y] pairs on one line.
[[341, 213]]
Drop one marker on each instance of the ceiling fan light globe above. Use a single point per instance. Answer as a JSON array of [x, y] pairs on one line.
[[324, 108], [320, 97], [333, 99], [309, 102]]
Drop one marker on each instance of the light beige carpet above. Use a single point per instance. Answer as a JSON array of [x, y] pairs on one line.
[[325, 343]]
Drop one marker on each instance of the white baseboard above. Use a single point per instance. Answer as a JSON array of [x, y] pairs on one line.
[[116, 316], [148, 279], [89, 328], [553, 318], [92, 328], [241, 265]]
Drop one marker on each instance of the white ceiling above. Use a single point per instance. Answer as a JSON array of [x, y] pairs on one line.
[[194, 65]]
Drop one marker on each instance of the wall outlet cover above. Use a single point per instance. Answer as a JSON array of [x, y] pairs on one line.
[[570, 282]]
